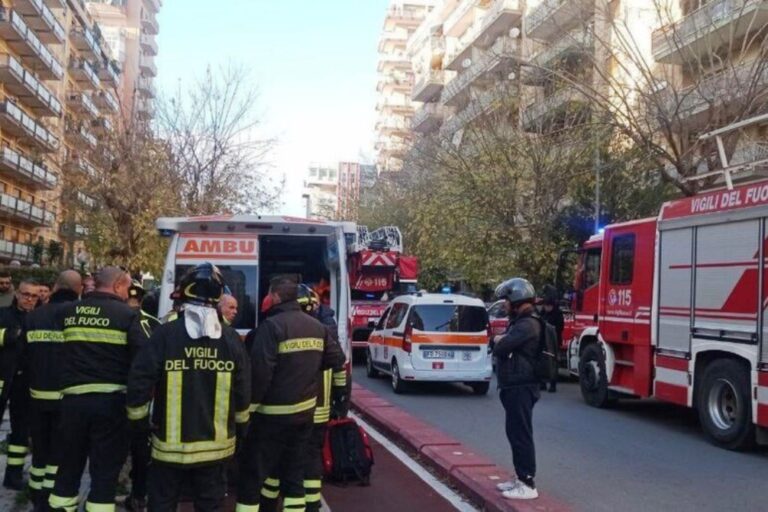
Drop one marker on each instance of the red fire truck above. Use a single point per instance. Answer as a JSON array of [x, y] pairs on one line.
[[378, 271], [674, 307]]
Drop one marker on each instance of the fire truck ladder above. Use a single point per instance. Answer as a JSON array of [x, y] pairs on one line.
[[387, 237], [727, 170]]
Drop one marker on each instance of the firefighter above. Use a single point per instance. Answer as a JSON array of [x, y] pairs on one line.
[[289, 351], [515, 352], [13, 381], [41, 358], [101, 336], [201, 377], [140, 444], [553, 315], [332, 387]]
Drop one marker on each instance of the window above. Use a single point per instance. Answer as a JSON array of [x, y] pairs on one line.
[[497, 310], [383, 320], [397, 315], [591, 269], [242, 281], [449, 318], [622, 259]]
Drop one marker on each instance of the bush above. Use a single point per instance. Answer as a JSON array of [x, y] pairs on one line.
[[41, 275]]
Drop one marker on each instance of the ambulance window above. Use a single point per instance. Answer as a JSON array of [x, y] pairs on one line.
[[242, 281], [382, 320], [591, 269], [397, 315], [622, 259]]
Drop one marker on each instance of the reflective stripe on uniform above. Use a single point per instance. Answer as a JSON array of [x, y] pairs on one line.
[[322, 415], [39, 394], [48, 483], [246, 508], [312, 490], [300, 345], [139, 412], [51, 470], [194, 457], [59, 502], [35, 485], [146, 327], [340, 378], [17, 449], [221, 406], [36, 477], [99, 507], [271, 488], [297, 504], [323, 411], [35, 471], [173, 407], [94, 335], [277, 410], [83, 389], [243, 416], [43, 336], [2, 337]]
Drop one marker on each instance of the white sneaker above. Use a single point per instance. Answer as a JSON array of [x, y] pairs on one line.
[[507, 486], [521, 492]]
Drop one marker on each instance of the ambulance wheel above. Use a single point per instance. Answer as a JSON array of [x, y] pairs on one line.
[[479, 388], [593, 378], [724, 404], [370, 370], [398, 384]]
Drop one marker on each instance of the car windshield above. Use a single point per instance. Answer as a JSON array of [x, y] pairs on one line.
[[449, 318]]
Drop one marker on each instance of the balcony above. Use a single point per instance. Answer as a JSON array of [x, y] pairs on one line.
[[28, 89], [429, 87], [427, 119], [394, 62], [562, 102], [401, 16], [79, 164], [83, 73], [56, 4], [147, 66], [497, 21], [23, 211], [82, 104], [24, 42], [20, 168], [145, 109], [16, 251], [391, 126], [106, 100], [146, 88], [153, 5], [500, 57], [17, 123], [399, 81], [40, 18], [102, 126], [85, 42], [462, 18], [149, 23], [148, 44], [107, 73], [714, 25], [393, 38], [577, 42], [395, 105], [85, 200], [553, 17], [77, 134]]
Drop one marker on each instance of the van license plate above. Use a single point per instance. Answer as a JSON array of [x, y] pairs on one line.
[[438, 354]]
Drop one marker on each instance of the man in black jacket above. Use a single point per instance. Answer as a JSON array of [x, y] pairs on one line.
[[516, 353]]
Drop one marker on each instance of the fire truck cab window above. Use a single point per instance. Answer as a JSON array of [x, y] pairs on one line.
[[622, 259], [591, 269]]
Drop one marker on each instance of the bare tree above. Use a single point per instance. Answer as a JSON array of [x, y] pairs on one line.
[[211, 132]]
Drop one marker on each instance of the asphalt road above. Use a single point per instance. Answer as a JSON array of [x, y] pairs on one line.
[[639, 456]]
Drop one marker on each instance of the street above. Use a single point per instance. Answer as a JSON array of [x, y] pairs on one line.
[[640, 456]]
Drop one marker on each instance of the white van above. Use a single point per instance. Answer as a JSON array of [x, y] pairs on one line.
[[432, 337], [250, 250]]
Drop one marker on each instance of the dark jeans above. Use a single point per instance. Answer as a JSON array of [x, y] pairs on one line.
[[205, 482], [518, 402]]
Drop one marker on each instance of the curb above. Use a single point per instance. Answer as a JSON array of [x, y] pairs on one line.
[[472, 474]]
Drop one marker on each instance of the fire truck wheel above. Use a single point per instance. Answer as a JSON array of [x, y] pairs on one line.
[[724, 405], [479, 388], [593, 378], [370, 370], [398, 384]]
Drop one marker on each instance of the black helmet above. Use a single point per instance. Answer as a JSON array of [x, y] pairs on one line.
[[136, 291], [549, 295], [516, 290], [150, 304], [202, 285], [307, 298]]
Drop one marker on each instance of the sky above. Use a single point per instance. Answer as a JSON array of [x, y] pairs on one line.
[[313, 63]]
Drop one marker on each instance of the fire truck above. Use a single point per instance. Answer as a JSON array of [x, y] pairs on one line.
[[378, 271], [674, 307]]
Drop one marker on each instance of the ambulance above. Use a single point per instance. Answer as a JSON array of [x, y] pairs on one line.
[[250, 250]]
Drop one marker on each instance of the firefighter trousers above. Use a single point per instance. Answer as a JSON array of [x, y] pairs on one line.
[[518, 402], [141, 454], [18, 439], [274, 447], [93, 429], [43, 424], [207, 484]]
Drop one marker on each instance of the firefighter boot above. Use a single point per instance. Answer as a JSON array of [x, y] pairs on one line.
[[14, 478], [135, 504]]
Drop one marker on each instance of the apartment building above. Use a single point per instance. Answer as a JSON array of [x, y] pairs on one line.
[[355, 180], [56, 100], [395, 110], [130, 28], [321, 191]]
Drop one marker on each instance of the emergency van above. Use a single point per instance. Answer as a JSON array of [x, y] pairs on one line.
[[250, 250], [432, 337]]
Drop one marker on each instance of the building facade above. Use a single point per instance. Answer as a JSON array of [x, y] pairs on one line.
[[355, 181], [321, 188]]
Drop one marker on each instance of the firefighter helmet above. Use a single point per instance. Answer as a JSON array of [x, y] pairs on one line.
[[202, 285], [307, 299], [516, 290], [136, 291]]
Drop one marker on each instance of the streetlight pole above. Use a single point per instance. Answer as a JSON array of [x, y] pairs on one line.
[[598, 177]]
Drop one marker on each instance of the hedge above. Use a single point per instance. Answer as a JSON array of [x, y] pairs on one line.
[[41, 275]]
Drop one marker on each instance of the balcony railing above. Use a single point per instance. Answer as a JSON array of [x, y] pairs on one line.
[[498, 20], [578, 40], [14, 121], [16, 251], [148, 44], [78, 134], [26, 212], [28, 89], [79, 164], [106, 100], [553, 17], [85, 41], [86, 200], [553, 103], [427, 118], [24, 169], [146, 88], [145, 109], [102, 125], [147, 66], [429, 86], [461, 18], [504, 50], [149, 23], [23, 41], [84, 74], [82, 103], [153, 5], [40, 18], [108, 74], [703, 31]]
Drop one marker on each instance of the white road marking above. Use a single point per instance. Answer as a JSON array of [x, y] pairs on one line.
[[440, 488]]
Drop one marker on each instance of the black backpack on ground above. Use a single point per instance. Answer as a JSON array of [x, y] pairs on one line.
[[347, 453]]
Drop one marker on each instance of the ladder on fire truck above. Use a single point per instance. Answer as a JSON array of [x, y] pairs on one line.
[[387, 238], [727, 171]]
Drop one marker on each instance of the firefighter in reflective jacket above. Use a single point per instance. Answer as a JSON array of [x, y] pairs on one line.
[[289, 351], [42, 363], [101, 336], [201, 378], [332, 395]]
